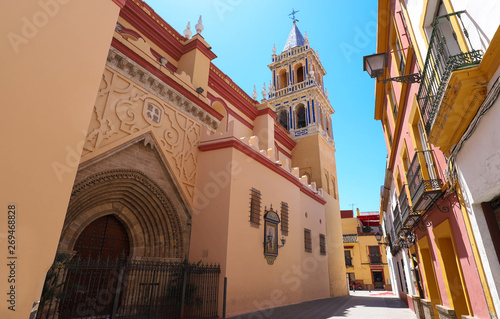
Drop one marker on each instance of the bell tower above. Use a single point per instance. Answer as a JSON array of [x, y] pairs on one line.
[[298, 96]]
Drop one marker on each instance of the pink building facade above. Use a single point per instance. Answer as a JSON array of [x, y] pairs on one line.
[[433, 261]]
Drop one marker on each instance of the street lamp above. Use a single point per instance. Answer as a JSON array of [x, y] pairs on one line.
[[375, 65], [378, 237]]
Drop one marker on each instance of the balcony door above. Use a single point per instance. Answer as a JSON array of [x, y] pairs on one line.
[[429, 162], [446, 32]]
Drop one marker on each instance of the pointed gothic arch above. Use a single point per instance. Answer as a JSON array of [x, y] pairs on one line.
[[146, 211]]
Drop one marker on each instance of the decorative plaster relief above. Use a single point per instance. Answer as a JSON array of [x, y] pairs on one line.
[[131, 102]]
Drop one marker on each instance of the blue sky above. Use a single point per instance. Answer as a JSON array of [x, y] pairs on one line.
[[242, 34]]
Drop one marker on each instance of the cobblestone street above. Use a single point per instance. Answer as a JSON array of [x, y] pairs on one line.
[[361, 304]]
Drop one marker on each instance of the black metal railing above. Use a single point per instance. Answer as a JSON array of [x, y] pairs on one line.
[[423, 192], [398, 223], [444, 56], [404, 204], [96, 288]]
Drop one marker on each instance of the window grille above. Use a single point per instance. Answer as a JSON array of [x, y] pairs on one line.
[[322, 244], [307, 240], [255, 205], [375, 257], [284, 218]]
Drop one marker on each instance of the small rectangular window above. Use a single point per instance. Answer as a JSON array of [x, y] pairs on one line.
[[400, 57], [375, 257], [307, 240], [255, 205], [348, 258], [322, 244], [284, 218]]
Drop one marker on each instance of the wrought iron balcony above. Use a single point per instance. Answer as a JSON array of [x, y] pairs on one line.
[[352, 238], [398, 223], [408, 216], [423, 192], [444, 56], [404, 204]]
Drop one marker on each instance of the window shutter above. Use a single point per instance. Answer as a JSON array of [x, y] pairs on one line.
[[255, 205], [322, 244], [284, 218], [307, 240]]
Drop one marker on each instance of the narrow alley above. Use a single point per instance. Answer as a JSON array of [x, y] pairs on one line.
[[360, 304]]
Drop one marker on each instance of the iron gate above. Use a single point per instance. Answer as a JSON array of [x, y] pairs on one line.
[[115, 289]]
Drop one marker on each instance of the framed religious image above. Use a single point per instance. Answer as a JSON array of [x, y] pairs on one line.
[[271, 221], [271, 238]]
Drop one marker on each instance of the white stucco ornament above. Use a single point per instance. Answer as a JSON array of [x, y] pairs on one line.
[[199, 26], [264, 91], [187, 32], [254, 94], [306, 37], [270, 86], [311, 71], [274, 49]]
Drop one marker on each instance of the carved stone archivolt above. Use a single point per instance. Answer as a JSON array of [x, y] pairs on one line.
[[132, 102], [152, 223]]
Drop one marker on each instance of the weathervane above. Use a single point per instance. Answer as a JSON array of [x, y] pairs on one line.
[[293, 15]]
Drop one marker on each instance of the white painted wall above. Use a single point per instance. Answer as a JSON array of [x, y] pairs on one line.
[[481, 19], [478, 166]]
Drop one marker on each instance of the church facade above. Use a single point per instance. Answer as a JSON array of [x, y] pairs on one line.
[[179, 163]]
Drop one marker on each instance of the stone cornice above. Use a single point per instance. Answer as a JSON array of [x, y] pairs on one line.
[[224, 86], [142, 77], [152, 26]]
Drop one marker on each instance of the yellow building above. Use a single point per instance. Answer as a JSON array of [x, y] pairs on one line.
[[366, 263], [157, 157]]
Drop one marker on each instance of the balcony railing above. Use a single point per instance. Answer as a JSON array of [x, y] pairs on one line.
[[443, 57], [423, 192], [404, 203], [309, 82], [352, 238], [398, 223]]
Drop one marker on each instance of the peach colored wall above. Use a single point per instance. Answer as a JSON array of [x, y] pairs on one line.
[[335, 247], [253, 284], [49, 85]]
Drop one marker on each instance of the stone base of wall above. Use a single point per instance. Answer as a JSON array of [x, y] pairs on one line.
[[428, 309], [445, 312], [417, 306], [468, 317]]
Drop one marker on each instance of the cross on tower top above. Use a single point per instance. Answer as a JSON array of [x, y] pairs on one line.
[[293, 15]]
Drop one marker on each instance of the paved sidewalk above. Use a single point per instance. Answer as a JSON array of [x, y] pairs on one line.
[[360, 304]]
